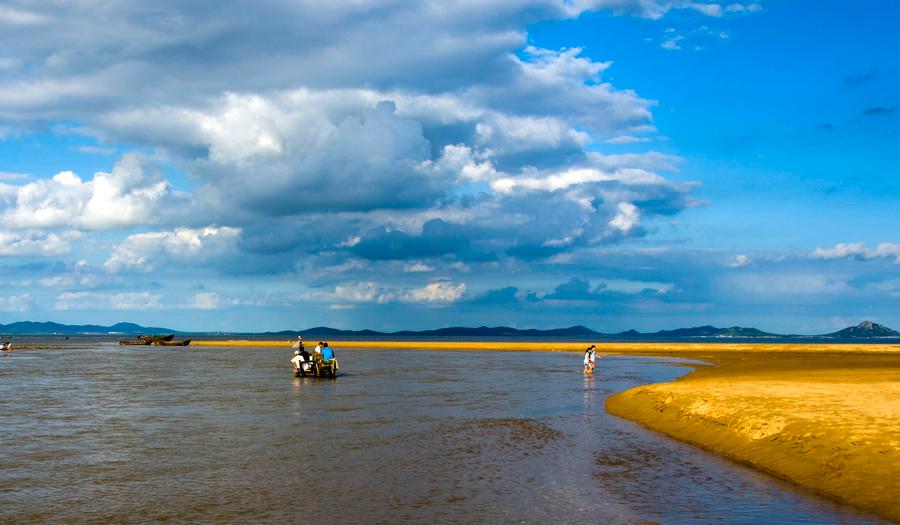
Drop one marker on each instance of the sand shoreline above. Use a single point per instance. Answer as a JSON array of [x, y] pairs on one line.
[[829, 422], [650, 349]]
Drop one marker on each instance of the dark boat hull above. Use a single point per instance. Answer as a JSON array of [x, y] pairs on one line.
[[186, 342]]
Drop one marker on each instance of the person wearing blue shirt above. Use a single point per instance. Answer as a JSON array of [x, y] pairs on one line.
[[327, 353]]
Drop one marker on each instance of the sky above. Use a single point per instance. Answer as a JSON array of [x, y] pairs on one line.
[[385, 164]]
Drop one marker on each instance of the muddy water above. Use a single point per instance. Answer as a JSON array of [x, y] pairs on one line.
[[226, 435]]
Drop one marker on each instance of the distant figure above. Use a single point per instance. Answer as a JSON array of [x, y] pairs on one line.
[[589, 356], [6, 346], [327, 353], [304, 354], [318, 348]]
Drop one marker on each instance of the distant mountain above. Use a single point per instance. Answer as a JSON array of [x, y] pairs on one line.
[[33, 328], [453, 331], [326, 331], [712, 331], [502, 331], [506, 331], [865, 329]]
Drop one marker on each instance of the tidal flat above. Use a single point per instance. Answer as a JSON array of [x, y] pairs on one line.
[[823, 416], [119, 434]]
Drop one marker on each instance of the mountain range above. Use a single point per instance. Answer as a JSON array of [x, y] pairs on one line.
[[863, 330]]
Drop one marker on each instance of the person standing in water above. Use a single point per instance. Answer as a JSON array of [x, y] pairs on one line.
[[589, 356]]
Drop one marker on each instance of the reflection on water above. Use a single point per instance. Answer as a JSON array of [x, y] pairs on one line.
[[227, 435]]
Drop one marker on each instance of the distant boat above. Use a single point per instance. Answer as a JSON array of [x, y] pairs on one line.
[[6, 346], [141, 342], [145, 340], [155, 338], [186, 342]]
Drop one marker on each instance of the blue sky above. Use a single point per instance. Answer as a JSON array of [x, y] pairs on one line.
[[619, 164]]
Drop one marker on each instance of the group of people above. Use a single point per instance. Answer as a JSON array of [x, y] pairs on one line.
[[302, 358]]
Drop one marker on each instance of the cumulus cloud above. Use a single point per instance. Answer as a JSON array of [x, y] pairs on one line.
[[439, 292], [315, 143], [371, 292], [36, 243], [131, 195], [183, 246]]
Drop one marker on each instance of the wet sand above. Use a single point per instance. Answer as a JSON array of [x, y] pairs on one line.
[[827, 421]]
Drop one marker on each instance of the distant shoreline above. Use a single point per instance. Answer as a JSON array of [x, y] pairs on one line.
[[641, 348]]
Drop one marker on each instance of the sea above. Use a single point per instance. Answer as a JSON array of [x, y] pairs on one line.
[[94, 432]]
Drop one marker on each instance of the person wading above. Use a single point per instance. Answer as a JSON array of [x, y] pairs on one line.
[[589, 356]]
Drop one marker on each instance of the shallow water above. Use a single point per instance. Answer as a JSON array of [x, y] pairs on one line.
[[135, 434]]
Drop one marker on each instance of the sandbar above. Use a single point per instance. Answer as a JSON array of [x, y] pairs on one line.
[[827, 421]]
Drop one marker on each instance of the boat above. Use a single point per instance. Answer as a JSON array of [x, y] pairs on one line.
[[141, 342], [317, 367], [6, 346], [156, 338], [186, 342]]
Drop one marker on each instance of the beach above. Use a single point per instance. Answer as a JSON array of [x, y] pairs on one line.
[[829, 422], [826, 417]]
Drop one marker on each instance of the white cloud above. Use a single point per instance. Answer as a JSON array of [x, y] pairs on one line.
[[183, 246], [627, 139], [439, 292], [672, 43], [13, 16], [417, 267], [627, 217], [15, 303], [739, 261], [371, 292], [90, 301], [743, 8], [36, 243], [303, 128], [885, 250], [211, 301], [129, 196], [58, 281], [707, 9]]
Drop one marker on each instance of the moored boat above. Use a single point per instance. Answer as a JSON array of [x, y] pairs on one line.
[[135, 343], [186, 342], [156, 338]]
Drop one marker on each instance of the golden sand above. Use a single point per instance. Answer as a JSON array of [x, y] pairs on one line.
[[824, 416], [828, 421]]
